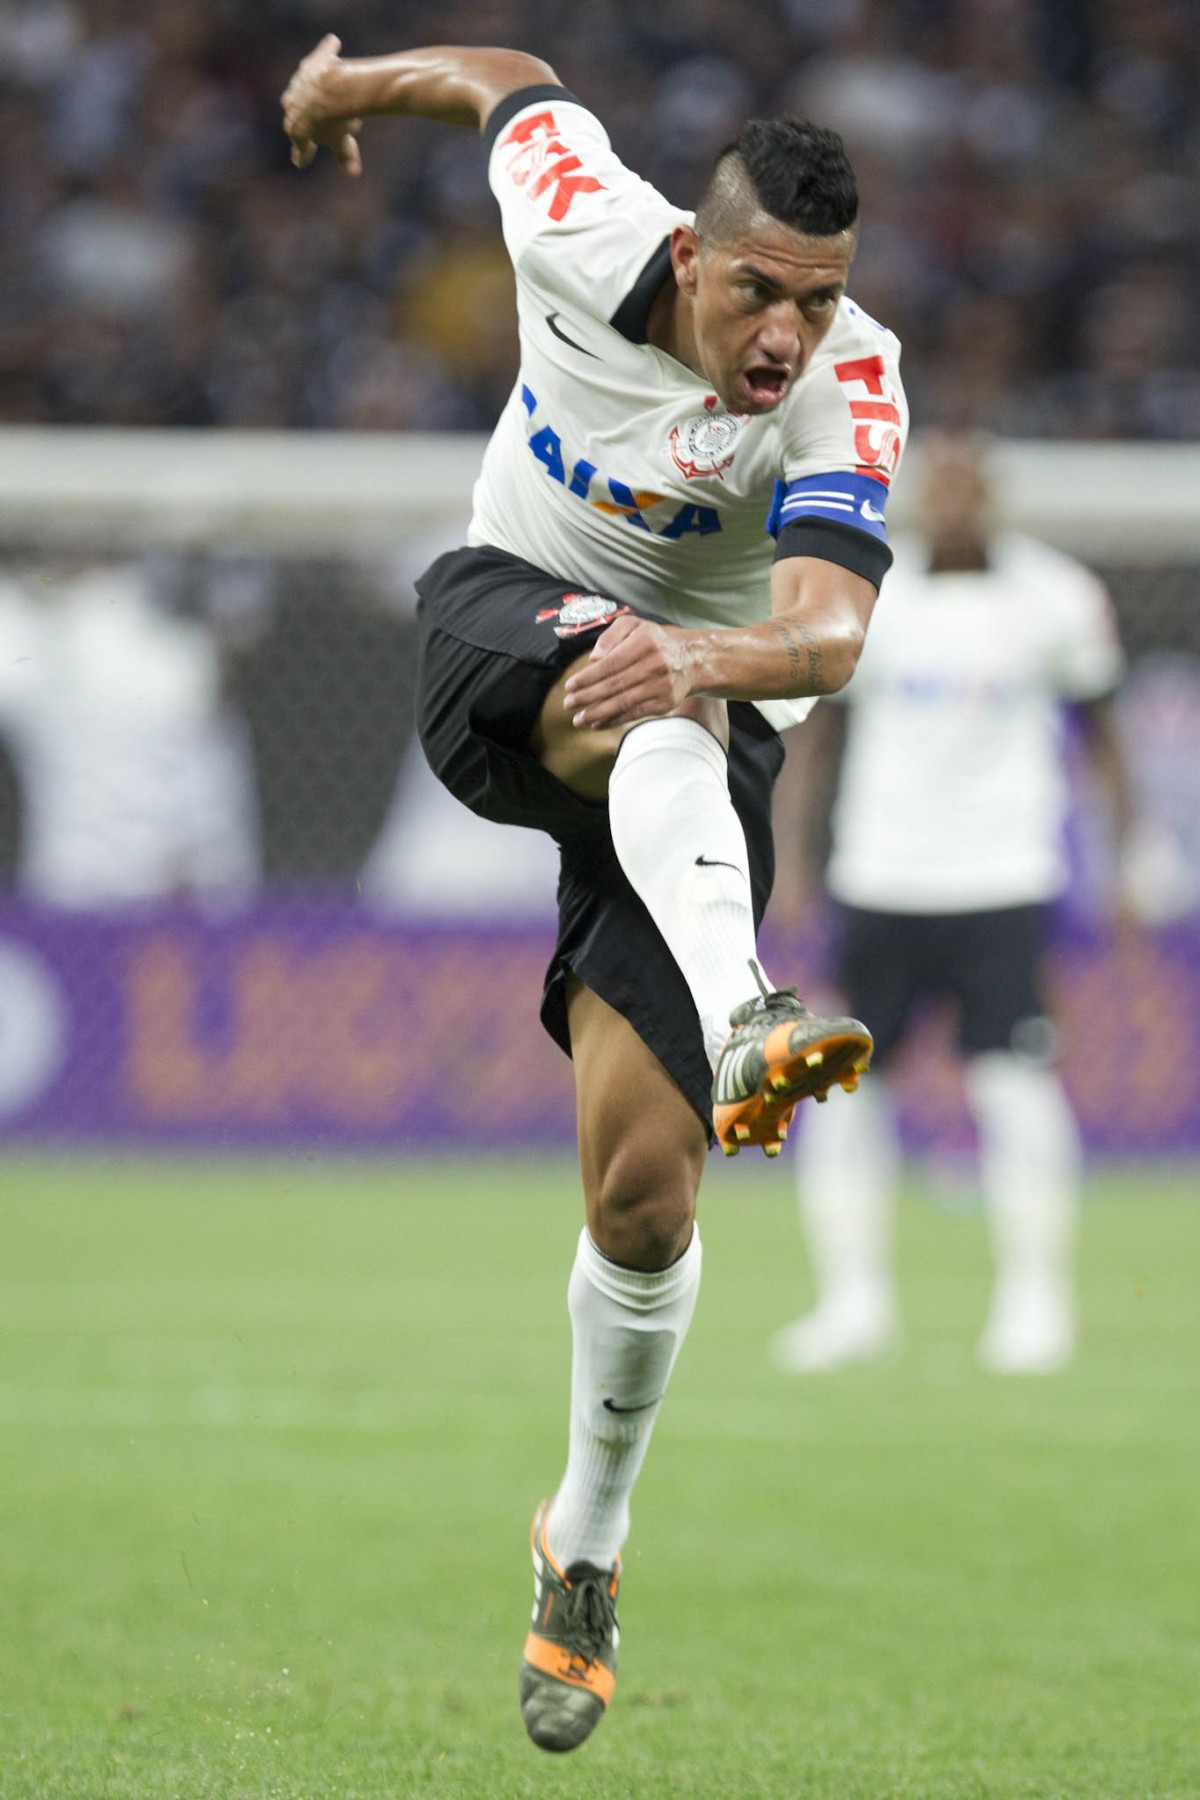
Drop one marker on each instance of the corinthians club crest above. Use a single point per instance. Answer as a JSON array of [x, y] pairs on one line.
[[578, 613], [705, 445]]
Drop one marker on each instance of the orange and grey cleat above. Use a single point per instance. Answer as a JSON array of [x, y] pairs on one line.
[[778, 1054], [569, 1668]]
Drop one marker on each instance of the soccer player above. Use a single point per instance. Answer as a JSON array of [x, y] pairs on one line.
[[677, 540], [947, 831]]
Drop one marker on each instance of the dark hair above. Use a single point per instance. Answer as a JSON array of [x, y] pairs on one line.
[[795, 171]]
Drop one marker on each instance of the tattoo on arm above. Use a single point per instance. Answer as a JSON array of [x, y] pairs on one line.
[[815, 672]]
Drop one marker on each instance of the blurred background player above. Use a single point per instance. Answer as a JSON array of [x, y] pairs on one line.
[[129, 773], [947, 825]]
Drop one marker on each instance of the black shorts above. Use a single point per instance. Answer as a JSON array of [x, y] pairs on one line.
[[495, 634], [986, 961]]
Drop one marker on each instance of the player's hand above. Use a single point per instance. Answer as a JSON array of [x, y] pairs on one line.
[[636, 671], [312, 115]]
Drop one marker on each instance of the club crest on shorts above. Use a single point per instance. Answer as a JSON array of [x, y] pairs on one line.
[[705, 445], [581, 612]]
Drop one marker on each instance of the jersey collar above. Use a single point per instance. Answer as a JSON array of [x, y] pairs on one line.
[[633, 315]]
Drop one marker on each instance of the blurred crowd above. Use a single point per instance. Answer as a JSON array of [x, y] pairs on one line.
[[1029, 171]]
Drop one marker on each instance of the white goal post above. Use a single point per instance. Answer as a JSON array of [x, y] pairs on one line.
[[318, 493]]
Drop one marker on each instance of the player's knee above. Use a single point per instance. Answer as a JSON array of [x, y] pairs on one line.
[[643, 1209], [582, 759], [712, 714], [650, 1232], [1021, 1100]]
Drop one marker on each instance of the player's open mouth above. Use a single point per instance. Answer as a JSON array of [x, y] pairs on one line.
[[766, 384]]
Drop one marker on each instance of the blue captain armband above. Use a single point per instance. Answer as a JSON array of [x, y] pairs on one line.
[[843, 499], [838, 517]]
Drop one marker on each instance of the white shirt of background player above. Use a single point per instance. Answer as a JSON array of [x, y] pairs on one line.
[[953, 793]]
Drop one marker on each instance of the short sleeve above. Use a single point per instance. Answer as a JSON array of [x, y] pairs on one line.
[[1088, 661], [577, 223], [841, 451]]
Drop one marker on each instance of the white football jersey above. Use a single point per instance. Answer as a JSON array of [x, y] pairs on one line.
[[615, 467], [953, 794]]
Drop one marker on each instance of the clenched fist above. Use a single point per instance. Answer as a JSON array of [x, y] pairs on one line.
[[314, 113]]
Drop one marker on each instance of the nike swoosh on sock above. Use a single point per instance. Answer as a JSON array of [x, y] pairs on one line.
[[612, 1407], [708, 862]]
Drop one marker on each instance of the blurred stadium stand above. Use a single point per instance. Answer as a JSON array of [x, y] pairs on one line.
[[1028, 169], [220, 940]]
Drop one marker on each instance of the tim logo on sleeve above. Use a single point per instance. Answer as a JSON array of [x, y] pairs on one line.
[[541, 163], [875, 413]]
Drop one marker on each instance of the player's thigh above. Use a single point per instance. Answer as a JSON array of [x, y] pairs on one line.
[[582, 759], [642, 1146], [997, 977]]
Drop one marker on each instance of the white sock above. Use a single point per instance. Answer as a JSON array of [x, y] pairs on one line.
[[1030, 1167], [847, 1171], [682, 847], [628, 1326]]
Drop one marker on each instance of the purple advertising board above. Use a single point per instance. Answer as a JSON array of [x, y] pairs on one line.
[[324, 1026]]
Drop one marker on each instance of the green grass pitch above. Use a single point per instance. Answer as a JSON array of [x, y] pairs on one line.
[[270, 1437]]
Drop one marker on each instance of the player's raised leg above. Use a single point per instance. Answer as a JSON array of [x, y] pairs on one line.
[[631, 1296], [683, 848]]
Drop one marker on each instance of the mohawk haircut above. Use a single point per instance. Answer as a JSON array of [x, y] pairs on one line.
[[796, 172]]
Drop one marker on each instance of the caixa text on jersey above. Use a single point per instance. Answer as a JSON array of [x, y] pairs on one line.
[[618, 500]]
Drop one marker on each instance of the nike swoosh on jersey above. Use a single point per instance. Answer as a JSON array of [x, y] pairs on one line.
[[612, 1407], [869, 512], [563, 338]]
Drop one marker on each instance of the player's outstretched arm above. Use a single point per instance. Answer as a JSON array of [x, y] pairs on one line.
[[809, 645], [329, 96]]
